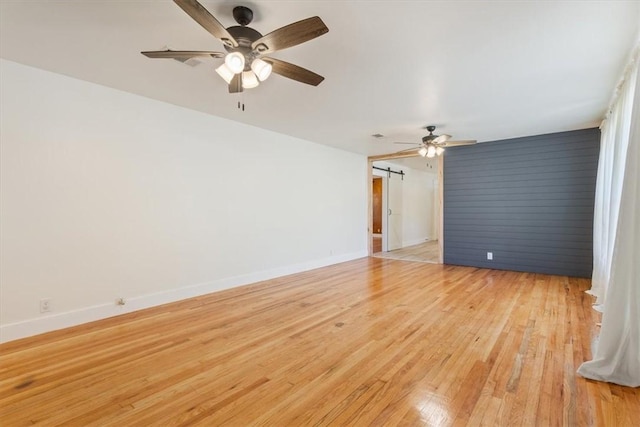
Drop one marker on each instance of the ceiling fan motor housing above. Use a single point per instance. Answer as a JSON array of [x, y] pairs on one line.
[[428, 138], [245, 36]]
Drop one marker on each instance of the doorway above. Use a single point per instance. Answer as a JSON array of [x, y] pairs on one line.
[[376, 199], [413, 226]]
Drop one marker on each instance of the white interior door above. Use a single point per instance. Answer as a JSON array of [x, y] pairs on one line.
[[394, 212]]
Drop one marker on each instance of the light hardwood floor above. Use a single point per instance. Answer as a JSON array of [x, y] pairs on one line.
[[368, 342], [422, 252]]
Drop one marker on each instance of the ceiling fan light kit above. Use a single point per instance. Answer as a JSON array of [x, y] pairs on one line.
[[434, 145], [249, 80], [261, 68], [245, 65], [225, 72], [235, 62]]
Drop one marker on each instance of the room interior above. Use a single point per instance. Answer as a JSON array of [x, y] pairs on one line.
[[177, 250]]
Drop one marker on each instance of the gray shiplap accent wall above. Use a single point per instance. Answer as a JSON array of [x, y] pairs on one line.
[[528, 200]]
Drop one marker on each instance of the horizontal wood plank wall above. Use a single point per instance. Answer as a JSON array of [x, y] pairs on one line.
[[529, 201]]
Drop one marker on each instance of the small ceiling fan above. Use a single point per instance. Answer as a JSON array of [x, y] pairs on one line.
[[434, 145], [245, 64]]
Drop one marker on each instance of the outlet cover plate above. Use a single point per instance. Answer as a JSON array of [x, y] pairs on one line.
[[45, 305]]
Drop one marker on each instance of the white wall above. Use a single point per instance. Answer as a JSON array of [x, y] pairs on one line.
[[105, 194], [419, 203]]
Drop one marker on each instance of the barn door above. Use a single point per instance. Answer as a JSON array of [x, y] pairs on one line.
[[394, 212]]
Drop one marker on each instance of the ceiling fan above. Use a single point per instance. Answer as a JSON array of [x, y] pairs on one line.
[[245, 64], [434, 145]]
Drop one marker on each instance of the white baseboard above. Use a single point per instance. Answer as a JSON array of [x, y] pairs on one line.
[[27, 328]]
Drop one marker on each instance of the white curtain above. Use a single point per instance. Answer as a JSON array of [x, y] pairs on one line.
[[616, 280], [611, 165]]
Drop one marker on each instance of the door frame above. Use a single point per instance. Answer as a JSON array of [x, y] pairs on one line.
[[370, 161], [384, 209], [375, 177]]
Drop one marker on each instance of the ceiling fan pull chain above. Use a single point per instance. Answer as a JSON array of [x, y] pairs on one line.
[[241, 102]]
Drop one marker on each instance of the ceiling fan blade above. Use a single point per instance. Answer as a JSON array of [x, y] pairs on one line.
[[290, 35], [294, 72], [236, 84], [202, 16], [441, 138], [408, 149], [413, 143], [459, 143], [181, 54]]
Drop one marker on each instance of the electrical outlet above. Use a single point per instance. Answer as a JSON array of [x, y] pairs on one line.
[[45, 305], [490, 256]]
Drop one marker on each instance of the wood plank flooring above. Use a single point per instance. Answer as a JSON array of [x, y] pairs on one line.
[[423, 252], [367, 342]]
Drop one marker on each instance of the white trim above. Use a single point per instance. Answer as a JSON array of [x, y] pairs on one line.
[[27, 328]]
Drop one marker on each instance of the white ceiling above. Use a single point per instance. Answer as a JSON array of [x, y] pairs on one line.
[[481, 70]]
